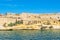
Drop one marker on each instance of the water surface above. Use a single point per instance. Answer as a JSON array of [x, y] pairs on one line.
[[30, 35]]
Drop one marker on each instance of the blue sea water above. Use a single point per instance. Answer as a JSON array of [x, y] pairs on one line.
[[30, 35]]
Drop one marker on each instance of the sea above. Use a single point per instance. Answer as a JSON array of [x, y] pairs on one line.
[[30, 35]]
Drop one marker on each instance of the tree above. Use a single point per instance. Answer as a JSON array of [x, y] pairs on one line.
[[19, 22]]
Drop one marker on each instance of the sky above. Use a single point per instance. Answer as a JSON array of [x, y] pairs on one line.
[[30, 6]]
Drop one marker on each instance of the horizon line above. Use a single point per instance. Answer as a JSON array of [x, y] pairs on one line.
[[31, 13]]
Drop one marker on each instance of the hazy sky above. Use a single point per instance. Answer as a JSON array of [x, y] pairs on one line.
[[33, 6]]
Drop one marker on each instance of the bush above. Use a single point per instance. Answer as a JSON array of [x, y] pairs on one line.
[[17, 22], [11, 24], [51, 27]]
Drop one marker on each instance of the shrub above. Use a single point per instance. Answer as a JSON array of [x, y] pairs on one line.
[[11, 24], [51, 27]]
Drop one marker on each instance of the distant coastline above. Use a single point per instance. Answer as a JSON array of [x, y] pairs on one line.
[[29, 21]]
